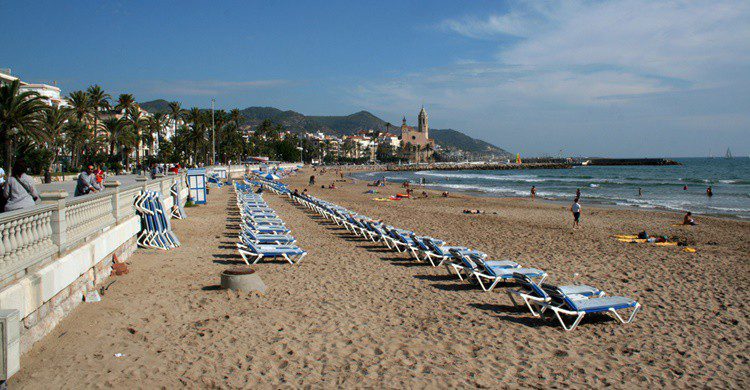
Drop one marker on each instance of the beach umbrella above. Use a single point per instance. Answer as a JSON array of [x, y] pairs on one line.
[[271, 176]]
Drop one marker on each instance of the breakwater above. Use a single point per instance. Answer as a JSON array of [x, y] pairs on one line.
[[476, 166], [630, 161]]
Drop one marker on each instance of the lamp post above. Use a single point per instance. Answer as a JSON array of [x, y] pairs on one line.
[[213, 134]]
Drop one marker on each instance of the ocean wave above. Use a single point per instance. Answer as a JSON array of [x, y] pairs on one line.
[[730, 209]]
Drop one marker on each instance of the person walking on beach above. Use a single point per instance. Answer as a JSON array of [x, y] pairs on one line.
[[576, 210], [533, 192], [19, 189], [578, 193], [312, 180], [709, 192], [640, 191]]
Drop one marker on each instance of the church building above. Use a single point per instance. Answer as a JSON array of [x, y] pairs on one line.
[[416, 144]]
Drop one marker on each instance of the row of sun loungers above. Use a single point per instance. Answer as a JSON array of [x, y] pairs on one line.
[[263, 234], [476, 267]]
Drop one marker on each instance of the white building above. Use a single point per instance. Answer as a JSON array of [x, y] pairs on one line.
[[49, 93]]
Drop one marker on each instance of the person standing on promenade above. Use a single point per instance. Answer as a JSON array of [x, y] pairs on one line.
[[533, 192], [86, 182], [576, 210], [19, 189]]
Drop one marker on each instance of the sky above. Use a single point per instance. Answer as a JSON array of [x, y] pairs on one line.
[[629, 78]]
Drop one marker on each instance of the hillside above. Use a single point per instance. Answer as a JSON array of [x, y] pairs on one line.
[[154, 106], [345, 125], [449, 138]]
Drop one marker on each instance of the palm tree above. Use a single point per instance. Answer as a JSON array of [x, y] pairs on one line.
[[55, 120], [125, 103], [99, 102], [175, 114], [20, 114], [81, 106], [114, 128], [235, 116], [137, 123], [156, 125]]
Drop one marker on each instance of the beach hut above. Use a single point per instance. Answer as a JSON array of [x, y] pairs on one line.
[[197, 184]]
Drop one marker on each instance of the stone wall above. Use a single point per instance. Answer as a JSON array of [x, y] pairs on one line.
[[43, 320]]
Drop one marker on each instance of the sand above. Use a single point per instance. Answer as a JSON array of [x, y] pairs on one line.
[[355, 315]]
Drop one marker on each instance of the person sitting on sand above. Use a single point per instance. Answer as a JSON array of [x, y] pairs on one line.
[[332, 186], [688, 219], [473, 211], [576, 210], [445, 194], [424, 194]]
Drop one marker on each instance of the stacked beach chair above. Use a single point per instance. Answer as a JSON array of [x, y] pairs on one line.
[[263, 234], [156, 229], [568, 303]]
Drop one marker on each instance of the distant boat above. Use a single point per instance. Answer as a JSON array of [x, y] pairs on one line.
[[729, 154]]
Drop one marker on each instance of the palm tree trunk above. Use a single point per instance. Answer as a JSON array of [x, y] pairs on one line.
[[8, 146]]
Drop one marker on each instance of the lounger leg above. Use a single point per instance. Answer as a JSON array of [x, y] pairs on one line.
[[288, 259], [575, 323], [632, 315], [260, 256]]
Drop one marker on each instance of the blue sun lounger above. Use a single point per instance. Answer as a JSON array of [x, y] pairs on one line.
[[291, 253], [562, 303], [438, 250], [278, 239], [489, 276], [535, 296]]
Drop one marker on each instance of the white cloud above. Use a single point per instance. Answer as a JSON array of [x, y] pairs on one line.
[[583, 59]]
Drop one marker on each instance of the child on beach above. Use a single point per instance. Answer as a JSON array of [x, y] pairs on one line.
[[576, 210]]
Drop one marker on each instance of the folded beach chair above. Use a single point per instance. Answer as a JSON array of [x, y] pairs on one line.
[[489, 276], [536, 296], [291, 253]]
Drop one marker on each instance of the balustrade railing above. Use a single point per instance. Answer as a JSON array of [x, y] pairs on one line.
[[33, 237]]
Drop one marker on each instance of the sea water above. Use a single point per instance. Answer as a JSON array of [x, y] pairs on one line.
[[662, 187]]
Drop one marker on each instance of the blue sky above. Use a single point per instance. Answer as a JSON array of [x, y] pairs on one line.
[[631, 78]]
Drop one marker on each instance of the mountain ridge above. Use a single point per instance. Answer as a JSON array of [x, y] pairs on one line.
[[341, 125]]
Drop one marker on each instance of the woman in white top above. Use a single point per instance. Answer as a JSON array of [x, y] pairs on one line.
[[576, 209], [19, 189]]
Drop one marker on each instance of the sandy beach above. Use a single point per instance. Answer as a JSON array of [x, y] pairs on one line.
[[354, 315]]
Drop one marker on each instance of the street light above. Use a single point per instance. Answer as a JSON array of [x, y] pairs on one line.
[[213, 134]]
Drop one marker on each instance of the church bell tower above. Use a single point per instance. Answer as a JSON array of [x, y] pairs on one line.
[[423, 125]]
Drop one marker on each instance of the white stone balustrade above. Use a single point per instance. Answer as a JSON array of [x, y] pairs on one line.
[[36, 236]]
